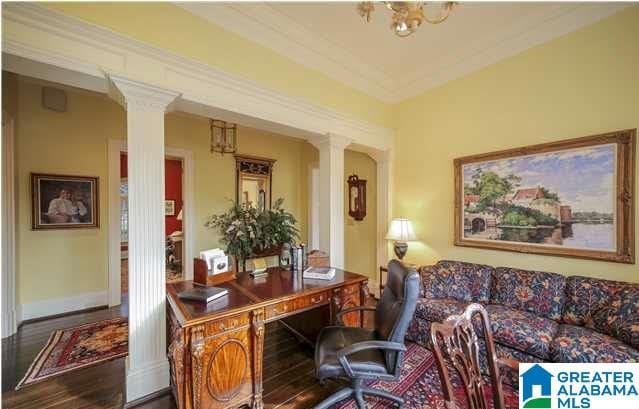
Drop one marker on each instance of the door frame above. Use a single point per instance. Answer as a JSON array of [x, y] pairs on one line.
[[116, 147]]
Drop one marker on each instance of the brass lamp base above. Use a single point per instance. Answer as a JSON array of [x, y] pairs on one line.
[[400, 248]]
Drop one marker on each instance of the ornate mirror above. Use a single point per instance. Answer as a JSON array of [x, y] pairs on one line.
[[253, 181]]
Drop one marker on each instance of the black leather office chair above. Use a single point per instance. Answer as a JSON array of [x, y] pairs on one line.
[[359, 354]]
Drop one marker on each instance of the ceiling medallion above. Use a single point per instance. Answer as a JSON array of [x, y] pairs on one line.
[[407, 15]]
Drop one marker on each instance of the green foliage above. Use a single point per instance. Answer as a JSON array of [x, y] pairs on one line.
[[525, 216], [549, 195], [491, 187], [245, 230]]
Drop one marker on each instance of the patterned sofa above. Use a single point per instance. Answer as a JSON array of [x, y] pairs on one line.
[[535, 316]]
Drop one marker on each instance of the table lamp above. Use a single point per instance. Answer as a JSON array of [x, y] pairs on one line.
[[401, 231]]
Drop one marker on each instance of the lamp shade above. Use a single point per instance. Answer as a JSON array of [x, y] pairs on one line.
[[179, 216], [401, 230]]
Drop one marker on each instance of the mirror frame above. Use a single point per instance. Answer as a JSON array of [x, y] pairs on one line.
[[254, 166]]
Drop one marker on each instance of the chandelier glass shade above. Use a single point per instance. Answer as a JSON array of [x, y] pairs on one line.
[[407, 15]]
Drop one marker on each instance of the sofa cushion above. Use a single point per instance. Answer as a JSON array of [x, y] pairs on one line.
[[533, 291], [620, 317], [458, 280], [580, 344], [522, 330], [611, 307], [438, 310], [419, 332]]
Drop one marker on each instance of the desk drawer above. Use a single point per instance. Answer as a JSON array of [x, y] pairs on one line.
[[312, 300], [280, 308], [352, 289], [227, 324]]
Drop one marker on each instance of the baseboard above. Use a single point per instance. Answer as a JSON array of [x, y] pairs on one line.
[[56, 306], [146, 381]]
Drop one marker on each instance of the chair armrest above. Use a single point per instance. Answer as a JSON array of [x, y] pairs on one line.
[[338, 316], [362, 346]]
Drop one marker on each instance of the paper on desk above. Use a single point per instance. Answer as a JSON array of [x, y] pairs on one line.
[[210, 255]]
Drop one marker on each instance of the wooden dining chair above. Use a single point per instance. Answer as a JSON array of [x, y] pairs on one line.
[[456, 345]]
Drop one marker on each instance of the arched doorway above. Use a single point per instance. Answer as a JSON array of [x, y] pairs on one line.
[[478, 225]]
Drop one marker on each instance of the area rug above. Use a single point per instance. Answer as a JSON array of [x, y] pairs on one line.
[[420, 387], [78, 347]]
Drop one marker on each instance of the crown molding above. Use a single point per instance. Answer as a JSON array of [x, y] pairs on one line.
[[262, 24], [37, 33], [553, 26]]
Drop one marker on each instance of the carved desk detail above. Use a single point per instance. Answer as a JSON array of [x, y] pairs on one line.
[[216, 350]]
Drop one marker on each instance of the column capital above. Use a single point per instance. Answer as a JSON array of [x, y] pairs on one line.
[[332, 140], [134, 94]]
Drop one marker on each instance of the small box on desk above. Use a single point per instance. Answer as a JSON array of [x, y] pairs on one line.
[[208, 278]]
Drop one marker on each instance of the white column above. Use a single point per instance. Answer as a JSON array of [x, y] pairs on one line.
[[331, 193], [9, 318], [384, 160], [147, 368]]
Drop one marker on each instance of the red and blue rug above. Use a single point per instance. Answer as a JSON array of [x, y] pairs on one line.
[[79, 347], [420, 387]]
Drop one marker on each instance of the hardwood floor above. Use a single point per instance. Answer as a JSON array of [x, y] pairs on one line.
[[289, 380]]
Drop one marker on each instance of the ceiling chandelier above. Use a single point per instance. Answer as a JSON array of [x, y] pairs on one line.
[[407, 15]]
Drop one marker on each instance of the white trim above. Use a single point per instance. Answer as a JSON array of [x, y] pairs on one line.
[[114, 262], [7, 223], [116, 146], [54, 306], [313, 207], [384, 162], [266, 26], [46, 36], [262, 24], [140, 381]]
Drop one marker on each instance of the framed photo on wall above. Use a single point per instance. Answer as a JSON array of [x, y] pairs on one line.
[[572, 198], [64, 202], [169, 207]]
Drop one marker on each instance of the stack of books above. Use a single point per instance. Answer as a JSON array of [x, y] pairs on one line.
[[203, 294], [319, 273]]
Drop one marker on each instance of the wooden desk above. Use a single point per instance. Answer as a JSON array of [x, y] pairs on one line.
[[216, 349]]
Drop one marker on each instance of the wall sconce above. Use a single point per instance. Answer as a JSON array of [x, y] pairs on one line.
[[356, 197], [223, 137]]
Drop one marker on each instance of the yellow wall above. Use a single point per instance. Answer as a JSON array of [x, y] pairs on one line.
[[360, 237], [584, 83], [63, 263], [172, 28]]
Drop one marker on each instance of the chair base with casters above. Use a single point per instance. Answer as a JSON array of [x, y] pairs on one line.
[[360, 354], [357, 392]]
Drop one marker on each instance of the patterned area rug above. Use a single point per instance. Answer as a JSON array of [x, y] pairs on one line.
[[419, 385], [79, 347]]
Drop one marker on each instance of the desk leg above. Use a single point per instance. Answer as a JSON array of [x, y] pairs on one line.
[[363, 296], [258, 356]]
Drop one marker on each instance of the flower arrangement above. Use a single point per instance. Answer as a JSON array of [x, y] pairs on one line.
[[246, 231]]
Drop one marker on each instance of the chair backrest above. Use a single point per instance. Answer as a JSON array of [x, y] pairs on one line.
[[396, 307], [457, 347]]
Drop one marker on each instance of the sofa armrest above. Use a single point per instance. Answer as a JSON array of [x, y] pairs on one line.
[[423, 271]]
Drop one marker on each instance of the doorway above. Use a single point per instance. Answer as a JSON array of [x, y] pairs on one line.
[[173, 212], [179, 195]]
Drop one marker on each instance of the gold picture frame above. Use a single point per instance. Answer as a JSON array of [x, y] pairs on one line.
[[492, 212]]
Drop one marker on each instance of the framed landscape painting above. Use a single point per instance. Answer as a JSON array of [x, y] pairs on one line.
[[572, 198], [64, 202]]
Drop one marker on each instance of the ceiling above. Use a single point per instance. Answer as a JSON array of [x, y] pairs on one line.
[[333, 39]]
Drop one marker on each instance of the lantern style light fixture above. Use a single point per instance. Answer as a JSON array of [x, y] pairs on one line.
[[356, 197], [223, 136]]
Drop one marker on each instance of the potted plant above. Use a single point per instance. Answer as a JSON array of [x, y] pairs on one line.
[[248, 232]]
